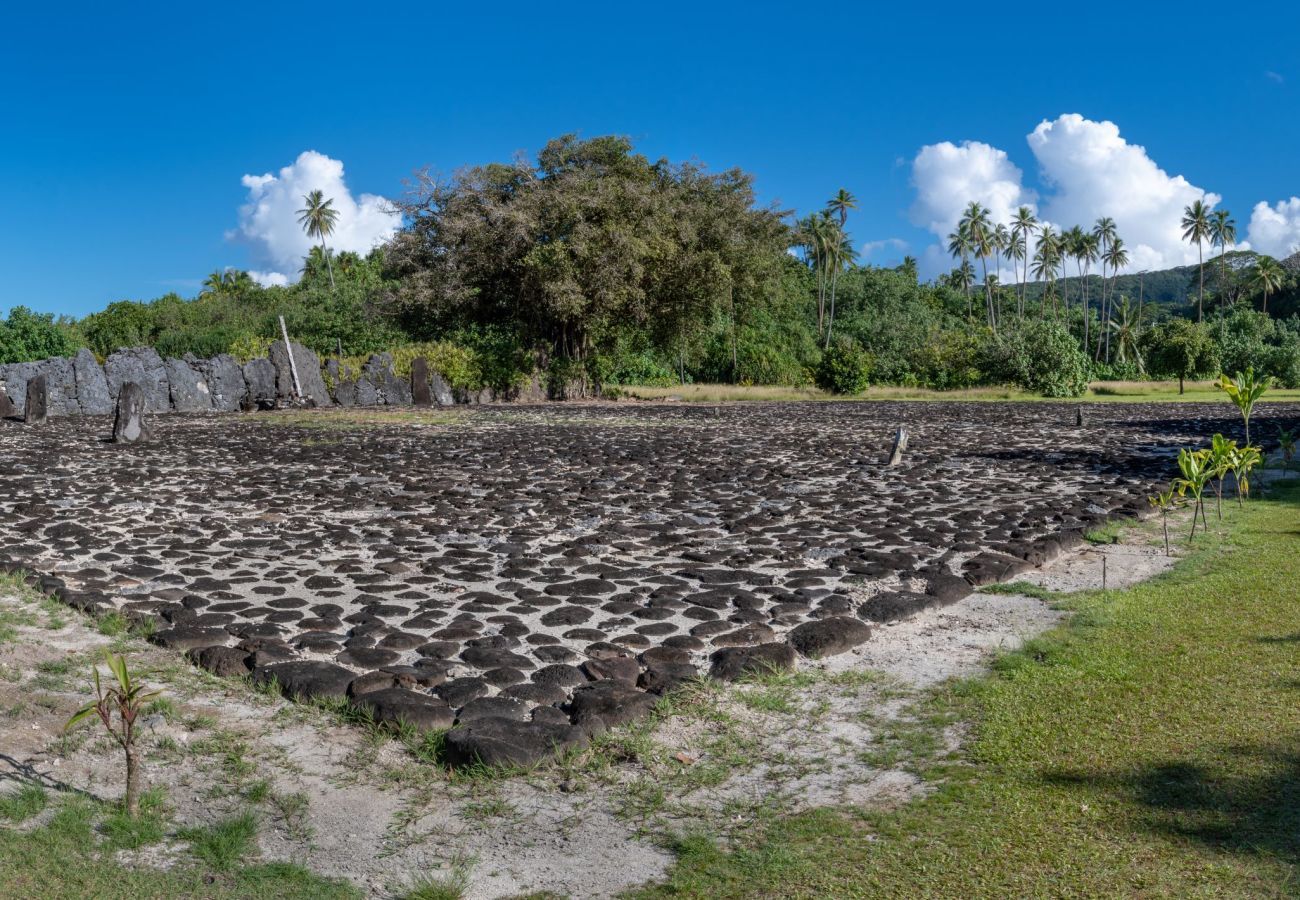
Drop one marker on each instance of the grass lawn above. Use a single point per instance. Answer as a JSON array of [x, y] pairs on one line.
[[1098, 392], [1151, 747]]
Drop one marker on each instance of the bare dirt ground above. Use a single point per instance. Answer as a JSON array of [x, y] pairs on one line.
[[354, 803]]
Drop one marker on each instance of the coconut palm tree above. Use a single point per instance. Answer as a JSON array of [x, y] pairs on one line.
[[840, 204], [1024, 224], [1105, 231], [1196, 230], [1267, 275], [1088, 255], [1127, 329], [1016, 251], [318, 217], [814, 236], [1046, 258], [1116, 257], [1223, 231], [841, 254], [1001, 244], [976, 218], [960, 246], [1072, 248]]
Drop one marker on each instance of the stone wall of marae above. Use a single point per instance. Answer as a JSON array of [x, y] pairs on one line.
[[81, 386]]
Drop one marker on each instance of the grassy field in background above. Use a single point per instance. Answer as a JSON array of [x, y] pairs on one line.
[[1098, 392], [1151, 747]]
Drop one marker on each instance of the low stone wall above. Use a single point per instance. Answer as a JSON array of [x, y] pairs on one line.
[[81, 386]]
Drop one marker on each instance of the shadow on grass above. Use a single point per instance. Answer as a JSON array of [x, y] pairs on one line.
[[1216, 804]]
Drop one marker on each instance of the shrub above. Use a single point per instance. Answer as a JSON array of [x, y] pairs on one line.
[[27, 336], [845, 368], [1038, 356]]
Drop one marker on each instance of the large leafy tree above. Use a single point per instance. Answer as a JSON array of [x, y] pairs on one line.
[[1196, 230], [318, 218], [589, 239], [1266, 276]]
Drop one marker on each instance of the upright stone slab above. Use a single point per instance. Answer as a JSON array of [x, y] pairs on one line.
[[144, 367], [259, 375], [441, 390], [189, 391], [7, 408], [309, 374], [128, 426], [421, 395], [38, 400], [225, 380], [92, 386], [900, 445], [60, 386]]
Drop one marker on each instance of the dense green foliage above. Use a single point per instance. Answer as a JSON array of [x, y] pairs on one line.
[[594, 266]]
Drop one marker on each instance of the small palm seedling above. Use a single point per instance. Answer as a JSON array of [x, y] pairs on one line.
[[1244, 389], [1194, 464], [1286, 443], [122, 701], [1243, 461], [1222, 455], [1166, 501]]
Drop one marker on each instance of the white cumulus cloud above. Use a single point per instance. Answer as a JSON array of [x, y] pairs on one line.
[[1093, 172], [1275, 229], [949, 176], [1086, 169], [268, 220]]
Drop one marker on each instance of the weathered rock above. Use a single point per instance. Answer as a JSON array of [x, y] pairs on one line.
[[259, 376], [900, 447], [828, 637], [507, 743], [891, 606], [128, 425], [93, 395], [309, 374], [7, 408], [389, 389], [731, 663], [188, 637], [401, 707], [143, 366], [306, 679], [611, 702], [61, 386], [16, 376], [441, 390], [421, 393], [36, 408], [223, 661], [225, 381], [990, 568], [189, 392], [617, 668]]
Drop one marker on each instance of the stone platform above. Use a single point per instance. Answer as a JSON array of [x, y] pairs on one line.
[[534, 575]]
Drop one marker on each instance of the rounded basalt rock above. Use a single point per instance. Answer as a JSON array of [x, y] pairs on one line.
[[368, 657], [189, 638], [224, 661], [378, 681], [493, 658], [499, 707], [746, 636], [566, 615], [893, 606], [559, 675], [306, 679], [664, 654], [608, 704], [617, 668], [507, 743], [537, 694], [828, 637], [731, 663], [400, 707], [662, 677], [503, 676], [460, 691]]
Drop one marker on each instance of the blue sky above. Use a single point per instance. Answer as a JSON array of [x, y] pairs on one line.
[[127, 129]]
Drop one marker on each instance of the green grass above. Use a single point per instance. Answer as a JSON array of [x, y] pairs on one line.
[[1151, 747], [223, 844], [21, 804], [72, 855], [1098, 392]]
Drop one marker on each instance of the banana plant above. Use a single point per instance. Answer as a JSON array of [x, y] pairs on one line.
[[1244, 389], [1194, 464], [1244, 460], [1286, 443], [1222, 455], [124, 700], [1166, 501]]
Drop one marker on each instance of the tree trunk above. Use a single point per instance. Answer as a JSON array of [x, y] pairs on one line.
[[132, 782], [1200, 294], [328, 265], [1180, 383]]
